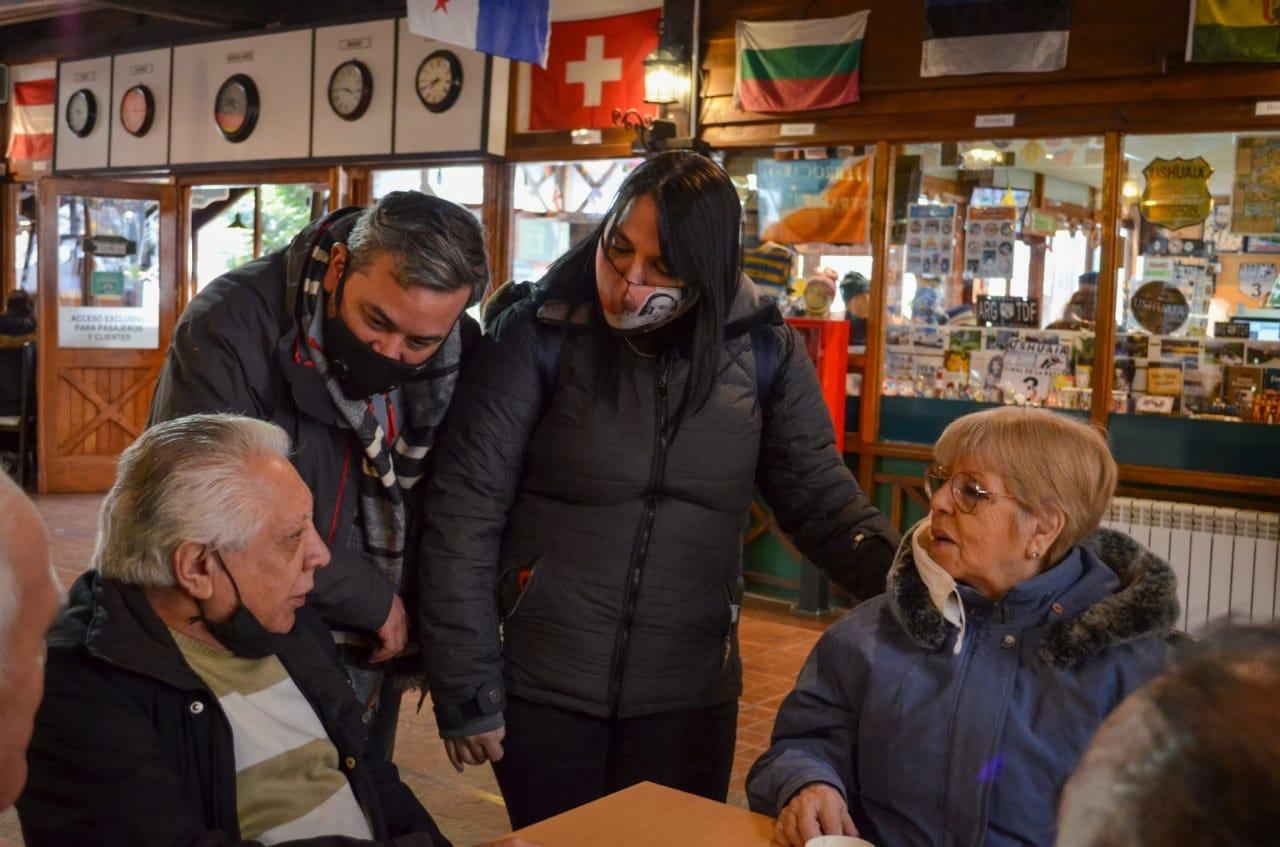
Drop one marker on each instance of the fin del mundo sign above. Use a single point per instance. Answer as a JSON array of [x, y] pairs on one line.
[[1177, 192]]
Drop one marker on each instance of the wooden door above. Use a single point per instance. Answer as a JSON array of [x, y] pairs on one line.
[[107, 306]]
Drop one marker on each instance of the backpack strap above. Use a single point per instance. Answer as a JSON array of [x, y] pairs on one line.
[[764, 348], [548, 353]]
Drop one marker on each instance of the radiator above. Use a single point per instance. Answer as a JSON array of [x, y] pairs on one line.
[[1226, 560]]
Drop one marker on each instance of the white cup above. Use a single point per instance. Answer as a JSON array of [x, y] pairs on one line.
[[837, 841]]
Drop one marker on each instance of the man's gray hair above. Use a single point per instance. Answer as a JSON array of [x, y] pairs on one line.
[[435, 244], [183, 480], [1196, 764]]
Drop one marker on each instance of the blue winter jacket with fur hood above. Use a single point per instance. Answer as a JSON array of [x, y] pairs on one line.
[[934, 748]]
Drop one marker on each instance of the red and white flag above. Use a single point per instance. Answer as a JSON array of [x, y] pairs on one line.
[[35, 91], [593, 67]]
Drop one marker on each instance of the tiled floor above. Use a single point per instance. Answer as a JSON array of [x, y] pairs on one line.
[[468, 806]]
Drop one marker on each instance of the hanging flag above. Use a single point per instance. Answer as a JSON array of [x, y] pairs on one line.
[[1234, 31], [516, 29], [796, 66], [594, 66], [35, 90], [994, 36]]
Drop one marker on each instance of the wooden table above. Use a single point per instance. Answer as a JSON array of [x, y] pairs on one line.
[[649, 815]]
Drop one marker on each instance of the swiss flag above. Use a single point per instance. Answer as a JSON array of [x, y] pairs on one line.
[[593, 67]]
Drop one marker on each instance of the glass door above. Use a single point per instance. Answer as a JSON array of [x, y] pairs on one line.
[[108, 297]]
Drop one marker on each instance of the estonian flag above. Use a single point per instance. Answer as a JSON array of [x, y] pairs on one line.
[[994, 36]]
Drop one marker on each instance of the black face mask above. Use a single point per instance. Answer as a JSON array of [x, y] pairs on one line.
[[361, 372], [242, 633]]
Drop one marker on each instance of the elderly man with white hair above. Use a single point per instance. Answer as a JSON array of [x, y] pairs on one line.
[[192, 697], [29, 597]]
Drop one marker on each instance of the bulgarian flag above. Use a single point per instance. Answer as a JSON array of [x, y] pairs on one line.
[[796, 66], [1234, 31]]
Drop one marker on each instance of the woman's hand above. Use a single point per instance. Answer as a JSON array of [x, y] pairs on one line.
[[817, 809], [475, 749]]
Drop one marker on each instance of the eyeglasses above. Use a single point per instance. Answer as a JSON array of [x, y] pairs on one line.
[[965, 490], [643, 286]]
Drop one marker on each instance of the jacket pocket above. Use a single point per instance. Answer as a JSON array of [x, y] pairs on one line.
[[514, 585], [733, 609]]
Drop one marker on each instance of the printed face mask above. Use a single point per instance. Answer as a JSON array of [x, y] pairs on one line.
[[658, 307]]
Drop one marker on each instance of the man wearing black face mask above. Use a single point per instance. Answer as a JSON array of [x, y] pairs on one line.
[[192, 697], [350, 339]]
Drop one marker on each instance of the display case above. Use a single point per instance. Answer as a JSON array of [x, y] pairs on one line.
[[1197, 356], [990, 285]]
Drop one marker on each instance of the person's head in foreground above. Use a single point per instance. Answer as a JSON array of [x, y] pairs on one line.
[[1190, 760], [29, 598], [189, 687], [955, 706]]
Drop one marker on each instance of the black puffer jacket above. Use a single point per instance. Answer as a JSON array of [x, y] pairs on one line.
[[634, 538], [132, 749], [235, 350]]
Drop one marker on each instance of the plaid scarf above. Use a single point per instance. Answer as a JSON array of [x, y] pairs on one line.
[[390, 470]]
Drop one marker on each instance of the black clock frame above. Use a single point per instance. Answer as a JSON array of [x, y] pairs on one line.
[[366, 96], [150, 100], [455, 89], [252, 107], [90, 121]]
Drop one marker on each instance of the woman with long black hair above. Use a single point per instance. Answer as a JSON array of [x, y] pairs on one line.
[[582, 564]]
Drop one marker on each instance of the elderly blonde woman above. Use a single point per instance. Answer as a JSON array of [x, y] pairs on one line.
[[951, 709]]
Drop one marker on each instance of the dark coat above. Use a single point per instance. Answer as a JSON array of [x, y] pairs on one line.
[[131, 748], [933, 748], [633, 538], [234, 350]]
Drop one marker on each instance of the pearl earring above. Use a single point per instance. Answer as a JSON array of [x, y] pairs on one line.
[[1035, 554]]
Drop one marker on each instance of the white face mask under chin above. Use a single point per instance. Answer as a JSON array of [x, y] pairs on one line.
[[941, 585]]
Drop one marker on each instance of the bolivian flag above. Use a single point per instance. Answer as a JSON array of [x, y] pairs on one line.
[[796, 66], [1234, 31]]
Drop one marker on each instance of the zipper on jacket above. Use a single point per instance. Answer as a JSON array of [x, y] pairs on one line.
[[640, 548]]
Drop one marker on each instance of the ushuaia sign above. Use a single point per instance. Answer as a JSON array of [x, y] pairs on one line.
[[1177, 192]]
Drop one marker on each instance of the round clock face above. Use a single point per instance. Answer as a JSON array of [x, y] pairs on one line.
[[235, 109], [439, 80], [350, 89], [82, 112], [137, 110]]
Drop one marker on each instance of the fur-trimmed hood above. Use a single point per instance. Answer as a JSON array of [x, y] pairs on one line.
[[1144, 606]]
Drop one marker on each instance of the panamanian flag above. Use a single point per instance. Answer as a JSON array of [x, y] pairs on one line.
[[516, 29]]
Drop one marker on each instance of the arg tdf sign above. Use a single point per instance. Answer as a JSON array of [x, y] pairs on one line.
[[1177, 192]]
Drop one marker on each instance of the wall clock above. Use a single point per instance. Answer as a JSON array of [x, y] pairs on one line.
[[82, 112], [350, 89], [137, 110], [235, 108], [439, 80]]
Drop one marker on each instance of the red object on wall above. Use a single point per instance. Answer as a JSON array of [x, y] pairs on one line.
[[593, 67], [828, 344]]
